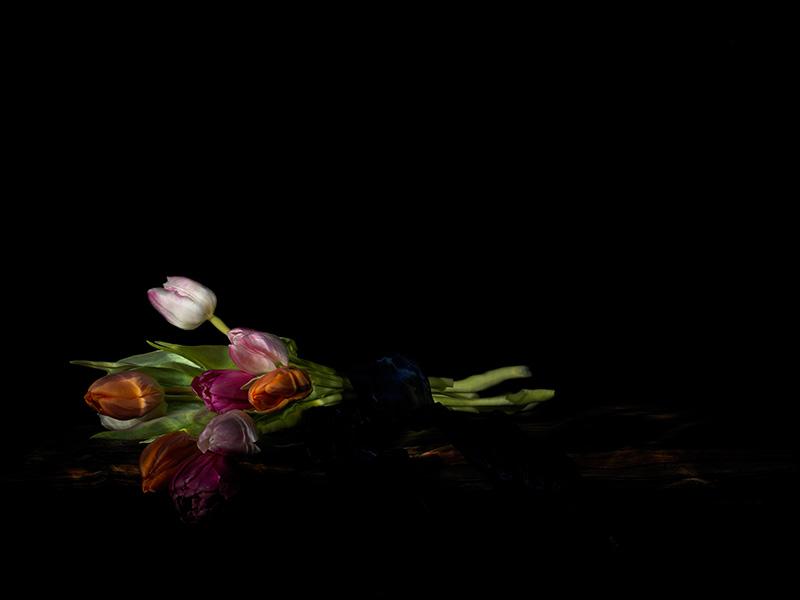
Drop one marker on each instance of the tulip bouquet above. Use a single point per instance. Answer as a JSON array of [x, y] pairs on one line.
[[199, 407]]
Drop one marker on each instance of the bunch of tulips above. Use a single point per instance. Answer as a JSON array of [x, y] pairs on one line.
[[199, 407]]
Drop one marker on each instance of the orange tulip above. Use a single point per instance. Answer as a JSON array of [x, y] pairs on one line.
[[162, 458], [127, 395], [278, 388]]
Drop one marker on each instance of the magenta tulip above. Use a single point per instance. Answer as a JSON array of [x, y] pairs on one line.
[[222, 391], [201, 485], [232, 433], [257, 352], [184, 302]]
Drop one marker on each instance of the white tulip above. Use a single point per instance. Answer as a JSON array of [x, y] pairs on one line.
[[184, 302]]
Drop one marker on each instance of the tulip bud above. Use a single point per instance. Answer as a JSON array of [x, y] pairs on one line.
[[221, 390], [275, 390], [257, 352], [162, 458], [201, 485], [126, 395], [231, 433], [183, 302]]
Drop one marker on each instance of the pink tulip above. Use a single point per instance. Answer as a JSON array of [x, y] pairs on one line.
[[183, 302], [232, 433], [257, 352]]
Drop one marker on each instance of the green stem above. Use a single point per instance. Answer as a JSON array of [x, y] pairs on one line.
[[181, 398], [478, 402], [178, 389], [322, 375], [331, 382], [477, 383], [311, 365], [440, 383], [217, 322], [469, 409], [321, 390], [456, 395]]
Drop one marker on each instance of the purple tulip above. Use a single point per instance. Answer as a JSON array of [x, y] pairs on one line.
[[257, 352], [201, 485], [222, 390], [183, 302], [232, 433]]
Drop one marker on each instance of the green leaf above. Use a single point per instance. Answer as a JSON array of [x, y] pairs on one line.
[[291, 415], [167, 368], [110, 367], [207, 357], [189, 417], [291, 346], [530, 396], [167, 377], [285, 419], [162, 359]]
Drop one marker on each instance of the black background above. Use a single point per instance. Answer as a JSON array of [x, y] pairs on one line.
[[589, 198], [593, 198]]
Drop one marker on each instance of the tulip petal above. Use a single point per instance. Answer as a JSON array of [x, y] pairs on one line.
[[278, 388], [180, 311], [250, 362], [268, 344], [237, 333], [120, 424], [162, 458], [183, 286], [126, 395], [180, 415], [231, 433], [201, 486], [257, 352], [221, 390]]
